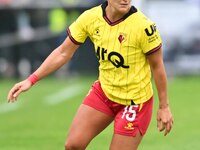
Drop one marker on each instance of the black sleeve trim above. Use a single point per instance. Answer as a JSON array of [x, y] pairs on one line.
[[72, 39], [154, 50]]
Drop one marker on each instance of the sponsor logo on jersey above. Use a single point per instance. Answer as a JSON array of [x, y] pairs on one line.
[[150, 30], [115, 58]]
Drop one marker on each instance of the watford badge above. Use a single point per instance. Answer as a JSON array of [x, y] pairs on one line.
[[122, 38]]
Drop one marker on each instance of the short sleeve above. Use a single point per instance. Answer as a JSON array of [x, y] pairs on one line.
[[77, 31], [150, 39]]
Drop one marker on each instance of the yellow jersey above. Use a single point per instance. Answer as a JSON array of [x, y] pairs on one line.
[[121, 47]]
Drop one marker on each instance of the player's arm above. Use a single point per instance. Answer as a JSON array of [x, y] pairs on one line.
[[164, 116], [57, 58], [60, 56]]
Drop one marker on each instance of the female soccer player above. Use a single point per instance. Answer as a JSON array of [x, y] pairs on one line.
[[128, 47]]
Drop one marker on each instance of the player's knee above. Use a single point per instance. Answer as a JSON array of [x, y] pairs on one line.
[[70, 145]]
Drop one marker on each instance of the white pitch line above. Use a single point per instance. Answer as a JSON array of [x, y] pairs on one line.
[[65, 94], [8, 107]]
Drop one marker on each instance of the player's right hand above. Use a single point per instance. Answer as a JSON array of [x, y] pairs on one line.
[[17, 89]]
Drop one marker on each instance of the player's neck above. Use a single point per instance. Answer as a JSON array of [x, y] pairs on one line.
[[114, 15]]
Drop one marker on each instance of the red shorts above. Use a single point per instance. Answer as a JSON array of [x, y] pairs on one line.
[[128, 120]]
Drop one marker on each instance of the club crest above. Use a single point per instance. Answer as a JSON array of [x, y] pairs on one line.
[[122, 38]]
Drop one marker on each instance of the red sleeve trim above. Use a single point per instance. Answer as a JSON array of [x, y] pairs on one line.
[[72, 39], [154, 50]]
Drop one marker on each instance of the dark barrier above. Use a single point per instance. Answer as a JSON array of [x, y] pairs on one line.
[[28, 34]]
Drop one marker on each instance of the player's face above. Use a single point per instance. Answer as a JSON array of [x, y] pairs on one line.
[[120, 6]]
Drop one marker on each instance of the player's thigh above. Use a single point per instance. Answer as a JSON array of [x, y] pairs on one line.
[[131, 123], [87, 123], [122, 142]]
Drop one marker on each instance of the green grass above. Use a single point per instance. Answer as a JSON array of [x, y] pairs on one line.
[[36, 125]]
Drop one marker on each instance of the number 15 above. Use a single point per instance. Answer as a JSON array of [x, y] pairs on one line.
[[129, 112]]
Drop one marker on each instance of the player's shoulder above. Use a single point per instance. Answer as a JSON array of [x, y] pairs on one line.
[[92, 12], [142, 19]]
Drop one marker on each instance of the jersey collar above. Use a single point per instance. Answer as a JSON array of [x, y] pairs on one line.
[[131, 11]]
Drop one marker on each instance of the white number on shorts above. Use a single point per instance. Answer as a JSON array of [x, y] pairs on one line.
[[129, 112]]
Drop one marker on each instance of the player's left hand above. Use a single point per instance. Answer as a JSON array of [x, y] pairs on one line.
[[164, 120]]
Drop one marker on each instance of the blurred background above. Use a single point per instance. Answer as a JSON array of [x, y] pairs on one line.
[[30, 30]]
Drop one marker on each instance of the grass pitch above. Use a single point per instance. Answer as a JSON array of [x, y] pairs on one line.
[[41, 117]]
